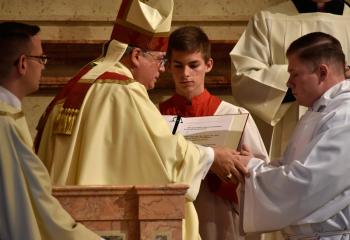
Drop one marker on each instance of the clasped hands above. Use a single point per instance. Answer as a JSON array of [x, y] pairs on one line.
[[231, 165]]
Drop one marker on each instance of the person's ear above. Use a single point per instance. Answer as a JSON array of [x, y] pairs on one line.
[[22, 65], [323, 72], [347, 71], [135, 57], [209, 65]]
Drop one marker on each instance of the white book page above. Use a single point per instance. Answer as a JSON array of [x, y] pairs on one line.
[[219, 130]]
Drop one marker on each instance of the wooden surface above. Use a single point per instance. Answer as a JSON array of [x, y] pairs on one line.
[[127, 212]]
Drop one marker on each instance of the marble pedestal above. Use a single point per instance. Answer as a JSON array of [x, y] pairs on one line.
[[127, 212]]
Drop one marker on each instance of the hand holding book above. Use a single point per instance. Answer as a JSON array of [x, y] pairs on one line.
[[223, 133]]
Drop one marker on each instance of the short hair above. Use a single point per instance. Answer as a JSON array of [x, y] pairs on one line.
[[317, 47], [15, 39], [189, 39]]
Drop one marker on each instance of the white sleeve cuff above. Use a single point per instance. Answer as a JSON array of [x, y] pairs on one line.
[[254, 162], [209, 159]]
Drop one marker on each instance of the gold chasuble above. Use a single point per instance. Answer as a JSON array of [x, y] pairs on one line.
[[116, 135], [28, 210]]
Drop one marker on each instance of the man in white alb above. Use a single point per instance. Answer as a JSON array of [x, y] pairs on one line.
[[307, 193]]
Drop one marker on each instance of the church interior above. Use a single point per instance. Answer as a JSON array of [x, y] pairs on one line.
[[73, 33]]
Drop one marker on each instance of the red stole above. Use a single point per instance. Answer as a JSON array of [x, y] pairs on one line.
[[73, 94], [204, 104]]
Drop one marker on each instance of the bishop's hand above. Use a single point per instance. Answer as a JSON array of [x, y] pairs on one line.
[[227, 165]]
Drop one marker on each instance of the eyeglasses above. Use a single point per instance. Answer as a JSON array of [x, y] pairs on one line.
[[161, 59], [41, 58]]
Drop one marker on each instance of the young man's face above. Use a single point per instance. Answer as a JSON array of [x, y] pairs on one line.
[[304, 81], [188, 70]]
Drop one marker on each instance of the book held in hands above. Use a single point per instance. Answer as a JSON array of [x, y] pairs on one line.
[[221, 130]]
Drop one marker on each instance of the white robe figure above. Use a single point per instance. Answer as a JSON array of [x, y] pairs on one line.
[[308, 193], [27, 208], [259, 66]]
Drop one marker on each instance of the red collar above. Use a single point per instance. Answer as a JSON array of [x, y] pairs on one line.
[[204, 104]]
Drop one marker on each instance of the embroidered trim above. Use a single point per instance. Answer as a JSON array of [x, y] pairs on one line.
[[65, 120], [74, 97], [121, 82], [12, 115]]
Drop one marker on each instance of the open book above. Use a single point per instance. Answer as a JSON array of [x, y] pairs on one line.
[[221, 130]]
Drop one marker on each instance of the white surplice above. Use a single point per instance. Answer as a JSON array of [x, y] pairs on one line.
[[217, 216]]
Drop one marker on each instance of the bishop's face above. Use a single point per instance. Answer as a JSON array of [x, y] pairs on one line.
[[149, 66]]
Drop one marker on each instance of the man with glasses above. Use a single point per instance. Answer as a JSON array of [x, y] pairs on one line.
[[42, 58], [103, 128], [151, 71], [27, 209]]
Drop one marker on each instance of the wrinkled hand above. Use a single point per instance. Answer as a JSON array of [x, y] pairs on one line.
[[227, 163], [245, 155]]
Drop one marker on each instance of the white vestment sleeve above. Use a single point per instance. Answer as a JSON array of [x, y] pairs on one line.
[[254, 72], [301, 188], [206, 160]]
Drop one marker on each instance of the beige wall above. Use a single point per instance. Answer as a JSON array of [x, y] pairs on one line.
[[85, 20], [93, 19]]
